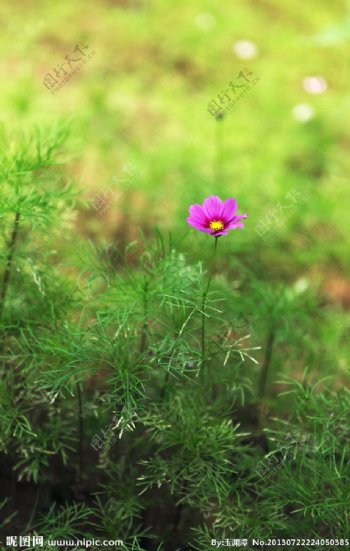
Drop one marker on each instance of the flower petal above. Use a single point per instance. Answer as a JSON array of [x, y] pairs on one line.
[[229, 210], [235, 220], [196, 211], [197, 218], [223, 232], [236, 225], [198, 225], [213, 207]]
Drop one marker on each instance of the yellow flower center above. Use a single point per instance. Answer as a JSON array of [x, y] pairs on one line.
[[216, 225]]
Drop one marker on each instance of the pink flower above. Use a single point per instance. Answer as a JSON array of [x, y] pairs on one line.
[[215, 216]]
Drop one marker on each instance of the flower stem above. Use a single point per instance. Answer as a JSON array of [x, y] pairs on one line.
[[204, 302], [220, 149]]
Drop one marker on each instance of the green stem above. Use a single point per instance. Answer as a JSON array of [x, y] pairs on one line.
[[204, 302], [267, 363], [143, 341], [9, 260], [265, 370], [219, 149], [80, 434], [34, 510], [180, 509], [165, 384]]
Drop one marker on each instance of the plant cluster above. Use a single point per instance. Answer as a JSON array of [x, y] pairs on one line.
[[133, 405]]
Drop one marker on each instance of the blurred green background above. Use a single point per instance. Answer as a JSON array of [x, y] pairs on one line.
[[144, 146]]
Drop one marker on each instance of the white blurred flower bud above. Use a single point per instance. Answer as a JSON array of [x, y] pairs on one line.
[[315, 84], [245, 49], [303, 112]]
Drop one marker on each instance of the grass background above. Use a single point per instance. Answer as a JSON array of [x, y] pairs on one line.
[[142, 102]]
